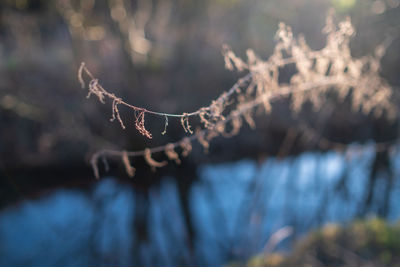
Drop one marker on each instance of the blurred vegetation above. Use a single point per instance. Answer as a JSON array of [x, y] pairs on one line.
[[162, 55], [170, 60], [373, 242]]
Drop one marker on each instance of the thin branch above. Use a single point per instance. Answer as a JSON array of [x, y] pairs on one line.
[[96, 88], [104, 92], [317, 72], [245, 107]]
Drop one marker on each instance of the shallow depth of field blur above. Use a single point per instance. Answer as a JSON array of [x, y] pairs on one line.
[[265, 197]]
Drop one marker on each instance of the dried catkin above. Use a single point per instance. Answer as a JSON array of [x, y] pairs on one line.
[[171, 153], [80, 75], [153, 163], [186, 146], [185, 123], [139, 123], [130, 170], [316, 74], [202, 140], [236, 125], [115, 112]]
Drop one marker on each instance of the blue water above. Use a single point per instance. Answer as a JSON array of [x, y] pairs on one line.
[[235, 209]]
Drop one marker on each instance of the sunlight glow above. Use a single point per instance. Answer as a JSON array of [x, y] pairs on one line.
[[344, 4]]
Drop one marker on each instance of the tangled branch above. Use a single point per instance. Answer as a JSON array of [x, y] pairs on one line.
[[331, 68]]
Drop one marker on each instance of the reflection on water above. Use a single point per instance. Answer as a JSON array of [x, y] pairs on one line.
[[235, 208]]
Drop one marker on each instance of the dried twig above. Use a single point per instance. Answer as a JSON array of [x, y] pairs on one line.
[[318, 71]]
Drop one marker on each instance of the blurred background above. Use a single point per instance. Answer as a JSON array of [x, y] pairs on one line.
[[317, 188]]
